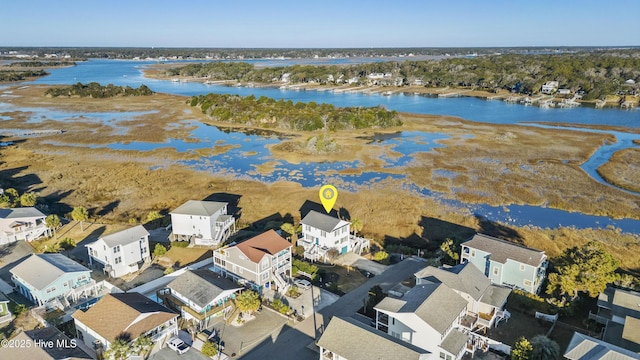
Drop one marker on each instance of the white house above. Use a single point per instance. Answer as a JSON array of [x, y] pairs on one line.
[[321, 233], [124, 315], [260, 261], [121, 252], [549, 87], [485, 301], [202, 223], [26, 223], [428, 316], [349, 339]]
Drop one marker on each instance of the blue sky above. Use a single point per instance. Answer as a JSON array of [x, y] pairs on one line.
[[324, 23]]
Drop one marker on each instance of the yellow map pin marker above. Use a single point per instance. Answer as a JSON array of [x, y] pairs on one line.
[[328, 197]]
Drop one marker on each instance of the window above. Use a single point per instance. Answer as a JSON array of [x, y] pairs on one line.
[[521, 267], [323, 233], [527, 282], [448, 357], [473, 253], [118, 260], [265, 264], [496, 270], [344, 229], [51, 289], [441, 355], [307, 228]]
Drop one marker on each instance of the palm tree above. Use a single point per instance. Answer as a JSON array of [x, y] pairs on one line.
[[53, 222], [142, 344], [81, 214], [356, 225], [248, 301], [291, 229], [119, 350], [544, 348]]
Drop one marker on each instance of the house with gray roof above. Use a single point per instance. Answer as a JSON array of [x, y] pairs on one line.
[[202, 223], [485, 301], [506, 263], [583, 347], [349, 339], [26, 223], [428, 316], [322, 232], [122, 252], [619, 311], [53, 345], [199, 296], [53, 280]]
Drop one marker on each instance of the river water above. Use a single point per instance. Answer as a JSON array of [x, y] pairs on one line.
[[250, 149]]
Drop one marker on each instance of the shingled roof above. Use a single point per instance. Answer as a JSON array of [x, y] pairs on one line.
[[201, 286], [583, 347], [354, 340], [266, 243], [501, 250], [434, 303], [126, 236], [124, 313], [322, 221], [199, 208]]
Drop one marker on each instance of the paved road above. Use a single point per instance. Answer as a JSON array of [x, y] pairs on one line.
[[293, 343]]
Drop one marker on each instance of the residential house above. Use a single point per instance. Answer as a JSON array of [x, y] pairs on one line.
[[549, 87], [619, 311], [124, 316], [53, 280], [506, 263], [26, 223], [485, 301], [44, 344], [199, 295], [5, 313], [258, 261], [564, 91], [122, 252], [583, 347], [349, 339], [428, 316], [202, 223], [322, 232]]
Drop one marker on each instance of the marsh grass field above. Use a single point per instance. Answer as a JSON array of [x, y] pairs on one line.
[[496, 164]]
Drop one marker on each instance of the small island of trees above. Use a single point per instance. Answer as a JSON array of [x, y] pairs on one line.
[[270, 113], [21, 75], [96, 90]]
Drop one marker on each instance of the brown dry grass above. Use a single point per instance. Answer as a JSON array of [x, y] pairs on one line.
[[499, 164], [623, 169]]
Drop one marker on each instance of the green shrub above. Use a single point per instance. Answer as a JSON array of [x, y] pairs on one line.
[[180, 244]]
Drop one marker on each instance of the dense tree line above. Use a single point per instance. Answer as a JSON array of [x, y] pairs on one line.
[[21, 75], [96, 90], [281, 114], [42, 63], [597, 74]]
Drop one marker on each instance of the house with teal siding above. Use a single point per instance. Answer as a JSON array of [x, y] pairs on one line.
[[506, 263], [53, 280]]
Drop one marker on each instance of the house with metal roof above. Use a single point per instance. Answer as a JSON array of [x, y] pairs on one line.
[[506, 263], [428, 316], [321, 233], [583, 347], [485, 301], [26, 223], [53, 280], [262, 261], [199, 296], [619, 311], [349, 339], [122, 252], [202, 223], [124, 316]]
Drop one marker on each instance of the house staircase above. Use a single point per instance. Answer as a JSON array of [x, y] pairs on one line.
[[282, 284]]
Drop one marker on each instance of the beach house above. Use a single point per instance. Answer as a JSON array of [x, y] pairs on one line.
[[201, 223], [321, 233], [506, 263], [26, 223], [122, 252]]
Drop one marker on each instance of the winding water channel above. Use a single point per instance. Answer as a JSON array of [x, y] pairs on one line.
[[249, 150]]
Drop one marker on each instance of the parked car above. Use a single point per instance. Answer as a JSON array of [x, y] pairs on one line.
[[178, 345], [302, 284]]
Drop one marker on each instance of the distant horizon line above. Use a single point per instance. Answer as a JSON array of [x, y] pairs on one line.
[[317, 48]]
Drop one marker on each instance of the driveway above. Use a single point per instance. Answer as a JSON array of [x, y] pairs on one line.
[[357, 261], [168, 354], [12, 255], [312, 298]]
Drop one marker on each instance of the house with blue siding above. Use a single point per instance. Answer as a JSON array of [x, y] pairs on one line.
[[506, 263], [53, 280]]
